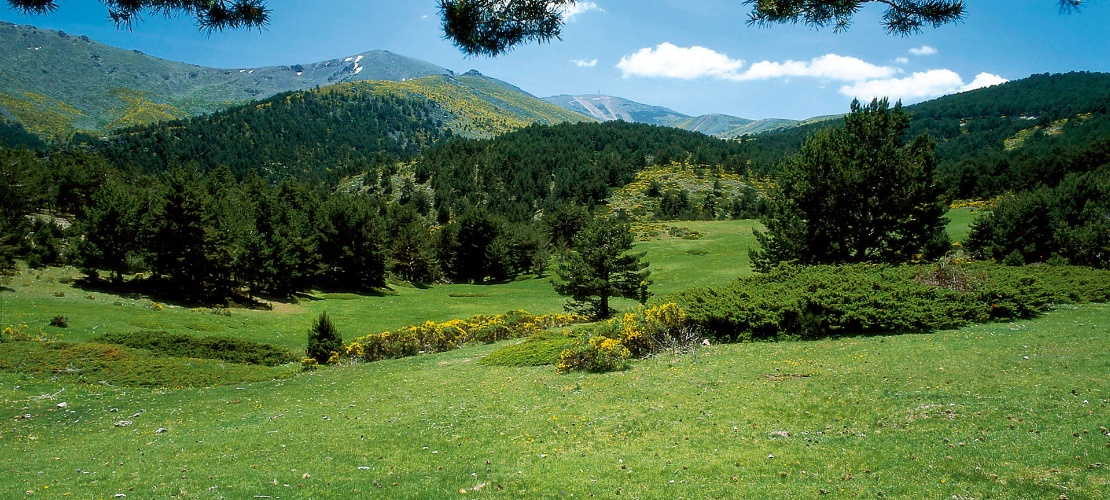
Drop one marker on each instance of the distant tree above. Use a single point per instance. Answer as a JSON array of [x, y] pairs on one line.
[[563, 222], [411, 246], [856, 193], [18, 197], [210, 15], [1070, 221], [600, 267], [184, 243], [352, 242], [112, 228]]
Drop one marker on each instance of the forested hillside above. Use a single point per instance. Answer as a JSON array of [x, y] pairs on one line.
[[520, 173], [1003, 138], [310, 136]]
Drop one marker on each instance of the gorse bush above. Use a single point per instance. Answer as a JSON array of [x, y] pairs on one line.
[[179, 345], [324, 341], [611, 344], [431, 337], [793, 302]]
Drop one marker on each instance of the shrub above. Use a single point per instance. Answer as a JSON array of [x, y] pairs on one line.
[[793, 302], [59, 321], [18, 333], [597, 354], [323, 339], [179, 345], [432, 337], [539, 349]]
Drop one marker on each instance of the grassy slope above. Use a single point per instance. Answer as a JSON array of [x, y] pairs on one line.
[[91, 314], [958, 413]]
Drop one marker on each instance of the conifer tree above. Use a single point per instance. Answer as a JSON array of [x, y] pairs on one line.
[[600, 267], [856, 193]]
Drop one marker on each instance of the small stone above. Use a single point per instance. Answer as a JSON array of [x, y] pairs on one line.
[[63, 405], [161, 430]]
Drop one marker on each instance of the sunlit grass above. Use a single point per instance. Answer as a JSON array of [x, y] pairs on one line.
[[998, 410]]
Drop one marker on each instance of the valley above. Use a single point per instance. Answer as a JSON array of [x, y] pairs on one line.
[[373, 276]]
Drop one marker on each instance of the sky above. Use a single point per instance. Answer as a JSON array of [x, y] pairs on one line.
[[692, 56]]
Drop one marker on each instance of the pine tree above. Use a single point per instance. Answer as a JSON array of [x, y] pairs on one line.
[[599, 267], [857, 193]]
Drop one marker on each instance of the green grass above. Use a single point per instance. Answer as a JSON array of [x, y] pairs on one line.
[[959, 223], [998, 410], [1003, 410]]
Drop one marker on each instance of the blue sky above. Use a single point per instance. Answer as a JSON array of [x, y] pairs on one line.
[[693, 56]]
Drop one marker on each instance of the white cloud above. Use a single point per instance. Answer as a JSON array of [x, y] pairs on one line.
[[932, 83], [983, 80], [828, 66], [569, 11], [902, 60], [923, 50], [582, 63], [669, 61]]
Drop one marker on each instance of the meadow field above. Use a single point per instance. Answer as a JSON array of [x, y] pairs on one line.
[[997, 410]]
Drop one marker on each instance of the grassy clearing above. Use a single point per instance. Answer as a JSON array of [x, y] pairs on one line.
[[35, 297], [997, 410]]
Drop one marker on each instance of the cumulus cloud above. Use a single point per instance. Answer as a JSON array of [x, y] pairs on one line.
[[828, 66], [902, 60], [923, 50], [670, 61], [984, 80], [572, 10], [925, 84], [582, 63], [667, 60]]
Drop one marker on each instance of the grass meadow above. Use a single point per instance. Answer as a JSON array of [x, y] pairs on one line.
[[1000, 410]]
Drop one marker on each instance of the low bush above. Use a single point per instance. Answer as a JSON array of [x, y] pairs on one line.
[[793, 302], [597, 354], [180, 345], [431, 337], [609, 345], [116, 365], [540, 349]]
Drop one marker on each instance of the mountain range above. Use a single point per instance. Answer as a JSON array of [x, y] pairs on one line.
[[609, 108], [56, 84]]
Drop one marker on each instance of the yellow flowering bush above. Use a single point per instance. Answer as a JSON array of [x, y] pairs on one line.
[[432, 337], [611, 344], [18, 333], [598, 354]]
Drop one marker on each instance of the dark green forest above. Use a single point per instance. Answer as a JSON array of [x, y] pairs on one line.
[[311, 136], [345, 190], [542, 167]]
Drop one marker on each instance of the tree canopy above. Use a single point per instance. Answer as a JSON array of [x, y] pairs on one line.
[[857, 193], [210, 15], [600, 266]]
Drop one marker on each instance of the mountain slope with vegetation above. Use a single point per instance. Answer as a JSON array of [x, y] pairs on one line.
[[1007, 137], [57, 83]]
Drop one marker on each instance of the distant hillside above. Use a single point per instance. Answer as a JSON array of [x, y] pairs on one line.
[[480, 106], [1008, 137], [537, 168], [323, 134], [609, 108], [57, 83]]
